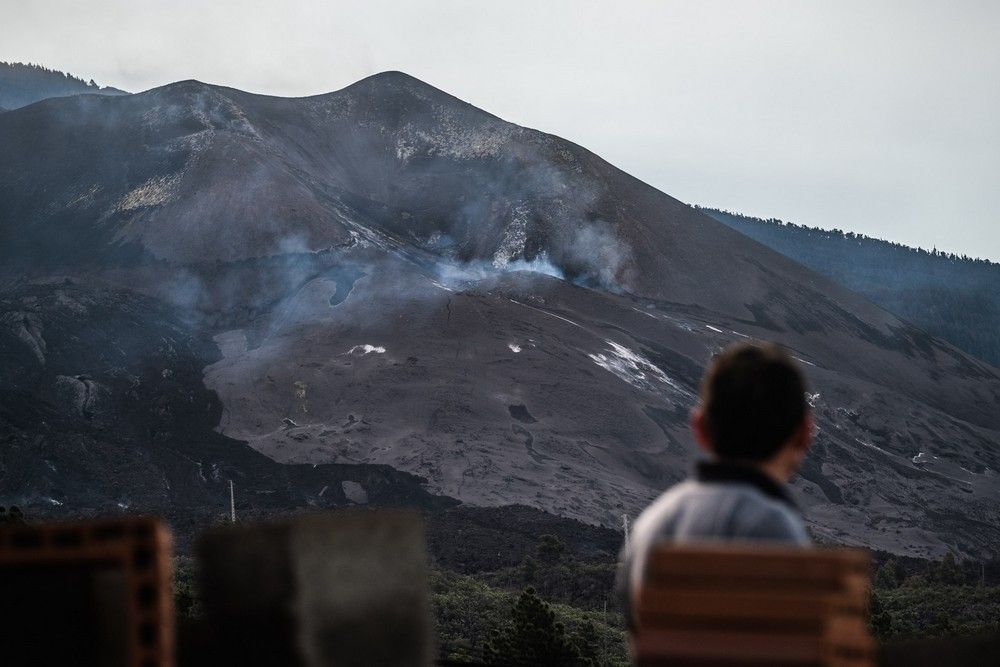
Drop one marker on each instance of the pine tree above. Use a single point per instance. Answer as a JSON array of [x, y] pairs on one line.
[[551, 550], [879, 619], [585, 642], [890, 575], [529, 570], [947, 571], [531, 637]]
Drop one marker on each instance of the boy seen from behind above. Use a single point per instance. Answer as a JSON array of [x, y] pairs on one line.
[[754, 424]]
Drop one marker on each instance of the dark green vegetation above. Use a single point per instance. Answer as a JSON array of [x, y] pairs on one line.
[[946, 598], [477, 622], [953, 297], [554, 607], [533, 635], [22, 84]]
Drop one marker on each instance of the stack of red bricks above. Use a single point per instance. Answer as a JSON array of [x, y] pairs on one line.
[[728, 605], [117, 573]]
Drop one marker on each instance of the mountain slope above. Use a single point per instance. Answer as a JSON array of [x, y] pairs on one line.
[[954, 298], [23, 84], [395, 277]]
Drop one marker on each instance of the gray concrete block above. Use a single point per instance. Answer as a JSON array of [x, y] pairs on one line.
[[340, 588]]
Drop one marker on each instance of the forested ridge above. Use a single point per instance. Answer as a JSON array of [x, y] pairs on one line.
[[953, 297], [25, 83]]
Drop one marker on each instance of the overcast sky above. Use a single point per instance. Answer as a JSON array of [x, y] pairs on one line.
[[878, 117]]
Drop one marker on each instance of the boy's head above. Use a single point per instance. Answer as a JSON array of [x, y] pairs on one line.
[[753, 409]]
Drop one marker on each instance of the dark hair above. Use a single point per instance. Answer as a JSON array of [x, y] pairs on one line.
[[753, 397]]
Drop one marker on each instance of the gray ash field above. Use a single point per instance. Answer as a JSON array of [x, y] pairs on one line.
[[429, 305]]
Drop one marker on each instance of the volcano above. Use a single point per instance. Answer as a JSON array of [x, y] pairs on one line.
[[388, 277]]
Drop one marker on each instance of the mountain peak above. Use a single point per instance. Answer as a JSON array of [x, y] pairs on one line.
[[185, 86], [396, 84], [393, 79]]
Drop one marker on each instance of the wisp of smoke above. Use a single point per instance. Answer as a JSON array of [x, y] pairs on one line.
[[450, 274], [596, 257]]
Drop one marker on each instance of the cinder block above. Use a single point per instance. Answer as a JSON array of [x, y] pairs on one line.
[[341, 588]]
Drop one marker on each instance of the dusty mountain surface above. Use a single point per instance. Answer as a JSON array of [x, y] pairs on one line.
[[387, 276]]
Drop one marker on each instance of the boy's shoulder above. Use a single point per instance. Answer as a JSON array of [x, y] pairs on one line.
[[733, 509]]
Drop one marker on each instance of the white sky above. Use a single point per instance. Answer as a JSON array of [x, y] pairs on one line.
[[878, 117]]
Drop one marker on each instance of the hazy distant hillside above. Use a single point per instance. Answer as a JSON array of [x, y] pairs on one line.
[[954, 297], [22, 84]]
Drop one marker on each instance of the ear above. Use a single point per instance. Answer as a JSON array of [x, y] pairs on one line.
[[804, 434], [699, 429]]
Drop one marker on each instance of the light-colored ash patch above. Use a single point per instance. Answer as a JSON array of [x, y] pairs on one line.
[[154, 192], [355, 492], [452, 136], [634, 368], [366, 349], [515, 236]]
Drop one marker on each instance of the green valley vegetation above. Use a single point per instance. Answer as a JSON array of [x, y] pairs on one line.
[[551, 609], [934, 599], [483, 624]]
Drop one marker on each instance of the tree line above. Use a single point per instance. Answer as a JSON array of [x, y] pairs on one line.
[[953, 297], [25, 83]]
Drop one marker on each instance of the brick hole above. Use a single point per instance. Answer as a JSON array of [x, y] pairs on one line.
[[67, 538], [147, 633], [146, 595], [109, 532], [26, 539], [142, 557], [143, 531]]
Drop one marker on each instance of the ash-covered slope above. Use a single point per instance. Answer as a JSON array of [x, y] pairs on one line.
[[103, 409], [394, 276]]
